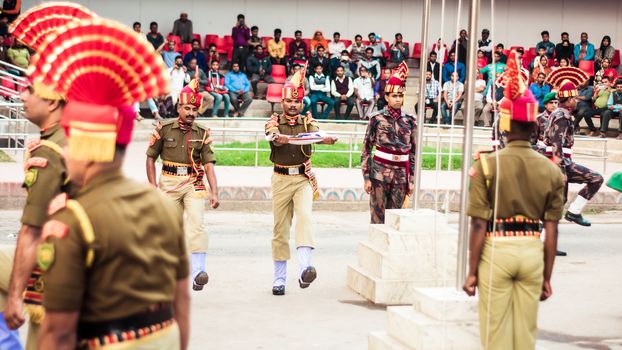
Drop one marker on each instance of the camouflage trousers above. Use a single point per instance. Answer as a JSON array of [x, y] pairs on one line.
[[385, 196], [578, 174]]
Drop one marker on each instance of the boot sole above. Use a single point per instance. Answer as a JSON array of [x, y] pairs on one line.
[[309, 275], [200, 281]]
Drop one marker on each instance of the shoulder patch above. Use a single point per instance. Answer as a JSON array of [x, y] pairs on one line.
[[54, 228], [33, 145], [30, 177], [38, 162], [45, 256], [272, 123], [59, 202]]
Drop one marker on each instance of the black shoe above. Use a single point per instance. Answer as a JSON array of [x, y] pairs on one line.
[[577, 219], [308, 276], [200, 281], [278, 290], [560, 253]]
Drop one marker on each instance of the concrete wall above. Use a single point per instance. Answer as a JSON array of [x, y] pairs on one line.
[[517, 22]]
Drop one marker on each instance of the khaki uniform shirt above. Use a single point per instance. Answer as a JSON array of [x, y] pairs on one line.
[[139, 250], [289, 154], [172, 145], [529, 185]]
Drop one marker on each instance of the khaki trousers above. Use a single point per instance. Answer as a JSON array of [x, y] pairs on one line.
[[166, 339], [181, 190], [517, 276], [291, 194]]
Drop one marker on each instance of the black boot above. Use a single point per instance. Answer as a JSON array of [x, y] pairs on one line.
[[200, 281], [577, 219], [307, 276], [560, 253], [278, 290]]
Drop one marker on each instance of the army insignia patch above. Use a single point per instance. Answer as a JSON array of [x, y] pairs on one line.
[[45, 256], [30, 177], [193, 99]]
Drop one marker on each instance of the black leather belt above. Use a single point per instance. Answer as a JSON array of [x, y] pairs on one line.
[[294, 170], [88, 330], [514, 226], [177, 170]]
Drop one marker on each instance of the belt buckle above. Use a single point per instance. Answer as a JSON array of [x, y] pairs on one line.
[[396, 158], [293, 171], [182, 170]]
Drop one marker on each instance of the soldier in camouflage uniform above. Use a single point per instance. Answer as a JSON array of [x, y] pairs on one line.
[[389, 173], [537, 138]]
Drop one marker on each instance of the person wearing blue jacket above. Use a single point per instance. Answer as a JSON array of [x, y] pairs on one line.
[[239, 87], [452, 66], [584, 50]]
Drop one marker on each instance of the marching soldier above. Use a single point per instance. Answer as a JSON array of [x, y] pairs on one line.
[[115, 277], [294, 186], [559, 140], [389, 173], [509, 265], [187, 155], [537, 138]]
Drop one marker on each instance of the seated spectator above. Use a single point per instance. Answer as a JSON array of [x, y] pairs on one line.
[[216, 88], [165, 105], [317, 40], [492, 99], [604, 51], [433, 66], [460, 46], [481, 119], [18, 55], [602, 91], [138, 29], [614, 108], [584, 109], [371, 65], [179, 78], [297, 44], [432, 92], [375, 42], [197, 54], [346, 63], [584, 50], [364, 92], [306, 100], [381, 83], [197, 73], [212, 54], [398, 51], [563, 62], [319, 83], [239, 88], [276, 49], [298, 58], [170, 55], [485, 44], [153, 108], [320, 59], [536, 60], [452, 97], [541, 67], [503, 58], [539, 89], [452, 66], [342, 90], [154, 37], [259, 67], [182, 27], [10, 10], [254, 40], [565, 49], [482, 61], [440, 49], [357, 49], [605, 71], [548, 46], [519, 57], [335, 47]]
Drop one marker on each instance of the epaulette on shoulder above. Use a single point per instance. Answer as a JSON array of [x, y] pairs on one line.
[[203, 127], [166, 122], [309, 118], [59, 202], [33, 145], [273, 122], [478, 154]]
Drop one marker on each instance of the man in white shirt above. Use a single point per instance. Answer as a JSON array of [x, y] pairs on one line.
[[452, 98], [179, 77], [342, 89], [319, 84], [480, 86], [364, 92], [335, 48]]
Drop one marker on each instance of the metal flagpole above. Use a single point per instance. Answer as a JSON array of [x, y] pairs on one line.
[[425, 18], [467, 148]]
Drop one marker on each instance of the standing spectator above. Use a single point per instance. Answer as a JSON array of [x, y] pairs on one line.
[[584, 109], [11, 9], [254, 40], [548, 46], [452, 97], [482, 61], [298, 58], [460, 47], [346, 63], [564, 49], [320, 91], [342, 89], [240, 34], [371, 65], [216, 87], [364, 92], [452, 66], [320, 59], [336, 46], [19, 56], [182, 27], [169, 56], [212, 54], [381, 83], [491, 70], [154, 37], [276, 49], [614, 107], [432, 92], [440, 49], [398, 51], [306, 101], [584, 50], [503, 58], [434, 66], [297, 43], [239, 87], [179, 77], [541, 67], [601, 99], [604, 51], [317, 40], [199, 74], [375, 42], [478, 102], [539, 89], [485, 44], [259, 67], [357, 49], [197, 54], [605, 71]]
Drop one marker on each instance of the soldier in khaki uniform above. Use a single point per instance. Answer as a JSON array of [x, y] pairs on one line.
[[294, 186], [115, 278], [187, 155], [509, 264]]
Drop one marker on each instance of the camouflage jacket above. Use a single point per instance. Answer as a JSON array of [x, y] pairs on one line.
[[537, 137], [560, 132]]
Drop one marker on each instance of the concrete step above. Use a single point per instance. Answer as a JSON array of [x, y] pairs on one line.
[[446, 304], [383, 341], [420, 221]]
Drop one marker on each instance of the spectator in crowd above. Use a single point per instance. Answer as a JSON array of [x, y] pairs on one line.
[[460, 47], [259, 67], [320, 59], [216, 87], [342, 89], [357, 49], [197, 54], [297, 44], [364, 92], [602, 91], [584, 50], [481, 119], [298, 58], [153, 109], [452, 97], [317, 40], [536, 60], [197, 73], [491, 69], [239, 88], [440, 49], [605, 71], [485, 44], [433, 66], [604, 51], [306, 100], [3, 49], [539, 89], [276, 48], [179, 77], [319, 83], [519, 57], [154, 37], [170, 55], [346, 63], [452, 66], [375, 43], [563, 62], [565, 49], [398, 51], [541, 67], [482, 61], [254, 40], [212, 54], [493, 98], [240, 34], [549, 47], [335, 47], [19, 56], [182, 27], [371, 65], [11, 10], [584, 109], [381, 83], [137, 27], [432, 93], [503, 58], [614, 108], [165, 106]]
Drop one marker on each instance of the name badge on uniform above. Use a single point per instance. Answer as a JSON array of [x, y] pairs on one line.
[[182, 170], [293, 171]]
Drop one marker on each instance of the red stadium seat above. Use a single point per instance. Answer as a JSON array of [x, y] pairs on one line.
[[532, 52], [185, 48], [517, 47], [210, 39], [177, 40], [264, 40], [386, 45], [587, 67], [273, 93], [198, 37], [616, 59], [279, 73], [8, 87], [527, 58], [506, 52], [287, 42], [347, 42], [366, 42], [308, 43], [416, 51]]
